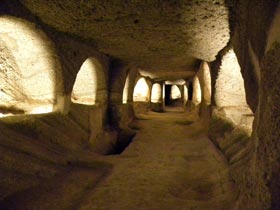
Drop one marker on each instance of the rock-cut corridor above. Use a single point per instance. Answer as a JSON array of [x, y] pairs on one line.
[[140, 105], [170, 164]]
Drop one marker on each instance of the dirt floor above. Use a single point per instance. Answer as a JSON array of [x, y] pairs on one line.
[[170, 165]]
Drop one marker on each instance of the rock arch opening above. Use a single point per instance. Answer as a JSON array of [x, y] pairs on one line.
[[141, 91], [230, 84], [173, 95], [175, 92], [30, 71], [90, 86], [230, 93], [156, 93]]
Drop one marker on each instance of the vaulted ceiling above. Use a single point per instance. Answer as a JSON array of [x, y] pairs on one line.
[[166, 39]]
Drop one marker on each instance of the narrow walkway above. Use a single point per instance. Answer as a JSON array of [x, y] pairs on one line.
[[170, 165]]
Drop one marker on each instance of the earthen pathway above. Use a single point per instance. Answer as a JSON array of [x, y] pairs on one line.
[[170, 165]]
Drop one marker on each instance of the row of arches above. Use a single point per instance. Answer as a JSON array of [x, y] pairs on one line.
[[142, 92], [31, 79], [225, 89], [160, 92]]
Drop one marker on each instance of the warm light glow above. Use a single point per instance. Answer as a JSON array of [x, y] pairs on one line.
[[141, 90], [230, 89], [85, 87], [175, 82], [175, 92], [163, 92], [30, 73], [42, 109], [4, 115], [196, 91], [230, 94], [156, 93], [186, 95], [125, 90], [206, 83]]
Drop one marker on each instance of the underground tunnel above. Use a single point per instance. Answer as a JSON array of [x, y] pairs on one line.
[[140, 105]]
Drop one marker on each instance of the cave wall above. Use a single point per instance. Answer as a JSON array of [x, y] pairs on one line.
[[35, 148], [71, 54], [25, 49], [255, 39]]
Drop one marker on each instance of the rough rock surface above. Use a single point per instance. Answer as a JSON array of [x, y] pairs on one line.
[[155, 35], [268, 133], [260, 70], [184, 172]]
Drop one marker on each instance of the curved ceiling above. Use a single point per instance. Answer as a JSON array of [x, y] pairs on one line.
[[159, 36]]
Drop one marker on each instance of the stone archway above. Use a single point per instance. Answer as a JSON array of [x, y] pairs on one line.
[[90, 87], [141, 91]]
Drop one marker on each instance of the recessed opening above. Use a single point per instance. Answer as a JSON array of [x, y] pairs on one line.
[[89, 86], [173, 96], [30, 72], [156, 93], [229, 87], [141, 91], [85, 86], [230, 91]]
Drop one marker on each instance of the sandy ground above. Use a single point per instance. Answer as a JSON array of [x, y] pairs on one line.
[[170, 165]]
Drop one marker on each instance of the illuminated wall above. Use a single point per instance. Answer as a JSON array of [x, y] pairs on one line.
[[196, 98], [205, 82], [230, 84], [30, 71], [141, 91], [186, 95], [175, 92], [156, 93], [89, 86]]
